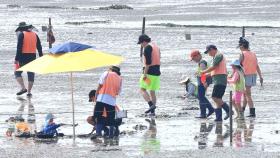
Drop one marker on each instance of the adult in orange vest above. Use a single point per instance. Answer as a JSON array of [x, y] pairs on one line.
[[150, 79], [251, 67], [218, 72], [28, 42], [109, 87]]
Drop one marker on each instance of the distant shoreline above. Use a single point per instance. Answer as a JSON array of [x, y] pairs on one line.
[[209, 26]]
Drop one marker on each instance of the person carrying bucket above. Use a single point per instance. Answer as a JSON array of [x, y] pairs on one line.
[[218, 72], [202, 84], [28, 42], [238, 83], [251, 67], [109, 87], [150, 79], [92, 120]]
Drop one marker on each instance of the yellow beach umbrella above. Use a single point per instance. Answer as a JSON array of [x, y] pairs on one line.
[[71, 62]]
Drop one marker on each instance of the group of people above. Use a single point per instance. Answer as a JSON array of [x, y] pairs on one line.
[[243, 77], [104, 119], [110, 85], [20, 128]]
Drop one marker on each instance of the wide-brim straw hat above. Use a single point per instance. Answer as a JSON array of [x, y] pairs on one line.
[[23, 25]]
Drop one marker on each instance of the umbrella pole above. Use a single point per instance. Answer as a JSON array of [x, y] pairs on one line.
[[73, 109]]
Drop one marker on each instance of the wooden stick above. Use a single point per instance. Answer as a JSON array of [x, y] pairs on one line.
[[230, 117], [143, 31], [50, 28], [243, 31], [66, 124], [73, 107]]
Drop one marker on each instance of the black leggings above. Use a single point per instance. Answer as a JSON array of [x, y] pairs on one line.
[[30, 75]]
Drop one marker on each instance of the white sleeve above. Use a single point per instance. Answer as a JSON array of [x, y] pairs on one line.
[[102, 78]]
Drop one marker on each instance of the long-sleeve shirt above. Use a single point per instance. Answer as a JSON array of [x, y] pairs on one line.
[[50, 129], [26, 58]]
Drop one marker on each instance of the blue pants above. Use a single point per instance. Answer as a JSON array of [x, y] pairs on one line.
[[203, 101]]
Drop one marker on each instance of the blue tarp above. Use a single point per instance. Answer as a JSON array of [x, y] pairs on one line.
[[69, 47]]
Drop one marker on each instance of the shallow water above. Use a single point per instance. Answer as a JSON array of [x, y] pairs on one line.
[[51, 93]]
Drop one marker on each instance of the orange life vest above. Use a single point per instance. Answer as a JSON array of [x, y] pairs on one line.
[[155, 55], [221, 68], [29, 42], [112, 84], [249, 63]]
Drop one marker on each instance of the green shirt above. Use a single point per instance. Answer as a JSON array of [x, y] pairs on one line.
[[217, 59], [240, 84], [218, 79]]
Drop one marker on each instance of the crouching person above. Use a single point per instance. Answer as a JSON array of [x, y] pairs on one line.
[[92, 119], [191, 88], [109, 87]]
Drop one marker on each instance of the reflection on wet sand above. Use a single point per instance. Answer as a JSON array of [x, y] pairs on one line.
[[241, 135], [111, 142], [31, 120], [203, 134], [246, 130], [151, 143], [12, 121], [220, 136], [205, 130], [21, 107]]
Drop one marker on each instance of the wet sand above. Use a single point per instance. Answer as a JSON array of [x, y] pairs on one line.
[[177, 133]]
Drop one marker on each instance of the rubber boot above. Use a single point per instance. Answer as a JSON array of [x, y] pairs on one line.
[[202, 111], [106, 131], [152, 108], [244, 108], [226, 109], [152, 111], [111, 131], [211, 110], [252, 113], [117, 131], [219, 114], [99, 128], [241, 115]]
